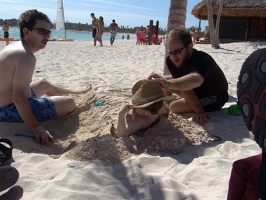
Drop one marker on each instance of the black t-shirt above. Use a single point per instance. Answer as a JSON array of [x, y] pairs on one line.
[[214, 83]]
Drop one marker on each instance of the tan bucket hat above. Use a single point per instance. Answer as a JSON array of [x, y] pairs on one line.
[[146, 92]]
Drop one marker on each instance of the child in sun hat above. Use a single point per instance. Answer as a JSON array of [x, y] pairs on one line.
[[147, 105]]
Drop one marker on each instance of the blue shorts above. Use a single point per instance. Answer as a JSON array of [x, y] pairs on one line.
[[43, 109]]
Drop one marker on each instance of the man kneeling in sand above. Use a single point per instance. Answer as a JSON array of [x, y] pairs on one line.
[[147, 107], [20, 97], [194, 76]]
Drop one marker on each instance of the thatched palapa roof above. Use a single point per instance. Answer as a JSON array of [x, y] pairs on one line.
[[232, 8]]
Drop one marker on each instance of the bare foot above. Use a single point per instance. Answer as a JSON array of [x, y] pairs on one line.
[[85, 90]]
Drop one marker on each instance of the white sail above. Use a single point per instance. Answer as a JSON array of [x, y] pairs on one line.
[[60, 19]]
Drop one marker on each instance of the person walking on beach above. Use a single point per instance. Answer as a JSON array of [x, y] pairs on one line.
[[21, 99], [101, 29], [195, 77], [95, 28], [113, 31], [6, 32]]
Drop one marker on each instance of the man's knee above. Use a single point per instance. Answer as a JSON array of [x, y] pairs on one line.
[[70, 104], [40, 84], [64, 105], [175, 107]]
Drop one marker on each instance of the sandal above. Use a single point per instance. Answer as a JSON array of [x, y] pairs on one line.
[[6, 148]]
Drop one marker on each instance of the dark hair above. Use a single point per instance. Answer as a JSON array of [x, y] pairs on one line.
[[92, 14], [181, 34], [28, 20], [113, 20], [154, 108], [101, 18]]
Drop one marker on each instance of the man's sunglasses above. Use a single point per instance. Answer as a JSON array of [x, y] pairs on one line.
[[43, 31], [177, 51]]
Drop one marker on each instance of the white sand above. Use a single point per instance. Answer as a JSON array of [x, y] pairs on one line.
[[158, 167]]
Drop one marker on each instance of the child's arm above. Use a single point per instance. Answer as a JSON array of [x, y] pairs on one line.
[[121, 122], [122, 129]]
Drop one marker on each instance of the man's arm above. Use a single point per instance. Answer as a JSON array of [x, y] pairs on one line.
[[187, 82], [96, 23], [185, 86], [20, 94]]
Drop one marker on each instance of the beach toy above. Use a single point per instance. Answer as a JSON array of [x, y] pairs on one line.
[[98, 103], [23, 135], [234, 110]]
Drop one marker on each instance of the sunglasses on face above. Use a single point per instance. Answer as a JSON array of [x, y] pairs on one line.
[[177, 51], [43, 31]]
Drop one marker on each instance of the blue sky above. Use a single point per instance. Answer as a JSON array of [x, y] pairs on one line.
[[130, 13]]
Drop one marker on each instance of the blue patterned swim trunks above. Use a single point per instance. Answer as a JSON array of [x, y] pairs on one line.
[[43, 109]]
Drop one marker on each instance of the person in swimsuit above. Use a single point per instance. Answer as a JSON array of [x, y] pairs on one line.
[[101, 29], [6, 33], [147, 105], [95, 28], [113, 31], [20, 97], [194, 76], [138, 36]]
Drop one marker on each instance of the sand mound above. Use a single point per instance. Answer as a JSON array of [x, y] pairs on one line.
[[85, 133]]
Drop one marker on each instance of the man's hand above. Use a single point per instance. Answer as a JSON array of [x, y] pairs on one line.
[[201, 118], [43, 136], [154, 76], [159, 79]]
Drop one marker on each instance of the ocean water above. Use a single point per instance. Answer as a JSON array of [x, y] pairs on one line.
[[76, 35]]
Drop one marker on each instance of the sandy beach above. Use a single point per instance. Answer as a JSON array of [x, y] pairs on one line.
[[176, 160]]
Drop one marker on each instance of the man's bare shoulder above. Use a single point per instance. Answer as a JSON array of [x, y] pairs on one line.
[[17, 51], [95, 21]]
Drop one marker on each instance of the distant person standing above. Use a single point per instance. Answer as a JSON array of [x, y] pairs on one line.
[[138, 35], [147, 34], [95, 28], [101, 29], [113, 31], [6, 33]]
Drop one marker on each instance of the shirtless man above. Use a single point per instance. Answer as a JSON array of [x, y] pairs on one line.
[[95, 28], [113, 31], [6, 33], [19, 96]]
